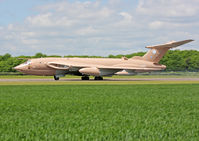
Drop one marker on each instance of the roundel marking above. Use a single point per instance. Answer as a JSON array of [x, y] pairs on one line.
[[154, 51]]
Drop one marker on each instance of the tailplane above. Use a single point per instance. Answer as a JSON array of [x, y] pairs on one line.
[[156, 53]]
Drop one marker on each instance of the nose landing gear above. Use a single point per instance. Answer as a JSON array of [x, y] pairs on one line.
[[56, 78]]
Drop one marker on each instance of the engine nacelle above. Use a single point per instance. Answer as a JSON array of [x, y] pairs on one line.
[[90, 71], [97, 72]]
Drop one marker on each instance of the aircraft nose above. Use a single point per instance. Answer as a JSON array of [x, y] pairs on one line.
[[19, 68], [163, 67]]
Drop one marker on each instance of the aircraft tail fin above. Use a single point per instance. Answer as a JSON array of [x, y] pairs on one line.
[[156, 52]]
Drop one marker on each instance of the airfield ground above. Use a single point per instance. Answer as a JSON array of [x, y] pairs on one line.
[[116, 81], [140, 108], [156, 78]]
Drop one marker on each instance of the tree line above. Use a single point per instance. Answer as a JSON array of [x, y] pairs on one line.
[[175, 60]]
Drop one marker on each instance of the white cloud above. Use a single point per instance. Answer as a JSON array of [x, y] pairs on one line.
[[10, 27], [40, 20], [86, 31], [29, 41], [168, 8], [78, 10], [28, 34], [48, 20], [126, 16], [156, 24], [101, 28], [113, 2]]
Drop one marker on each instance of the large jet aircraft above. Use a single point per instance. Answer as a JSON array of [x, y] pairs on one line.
[[99, 67]]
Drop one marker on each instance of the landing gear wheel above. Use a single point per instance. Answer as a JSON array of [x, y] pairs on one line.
[[98, 78], [85, 78], [56, 78]]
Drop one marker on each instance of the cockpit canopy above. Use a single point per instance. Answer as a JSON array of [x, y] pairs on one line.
[[27, 62]]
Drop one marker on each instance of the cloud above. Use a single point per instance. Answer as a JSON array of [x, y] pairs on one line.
[[40, 20], [168, 8], [156, 25], [100, 28], [48, 20], [86, 31]]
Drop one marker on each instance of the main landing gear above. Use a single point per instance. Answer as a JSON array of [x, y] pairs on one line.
[[85, 78], [56, 78], [98, 78]]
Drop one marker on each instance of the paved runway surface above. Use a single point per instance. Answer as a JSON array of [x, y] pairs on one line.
[[107, 79]]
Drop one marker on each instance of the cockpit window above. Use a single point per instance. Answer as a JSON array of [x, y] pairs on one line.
[[27, 62]]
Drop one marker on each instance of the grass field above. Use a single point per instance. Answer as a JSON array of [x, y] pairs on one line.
[[99, 112]]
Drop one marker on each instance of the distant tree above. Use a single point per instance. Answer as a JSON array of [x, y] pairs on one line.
[[193, 63], [39, 55], [24, 57], [111, 56], [53, 56], [135, 54], [174, 61], [6, 56]]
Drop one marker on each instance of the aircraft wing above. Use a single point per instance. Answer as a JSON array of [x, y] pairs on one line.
[[92, 69], [67, 65]]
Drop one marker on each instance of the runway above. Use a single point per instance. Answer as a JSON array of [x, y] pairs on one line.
[[106, 79]]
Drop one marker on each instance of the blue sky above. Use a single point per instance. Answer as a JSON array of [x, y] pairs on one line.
[[15, 11], [95, 27]]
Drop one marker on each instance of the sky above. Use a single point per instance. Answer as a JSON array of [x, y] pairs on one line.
[[95, 27]]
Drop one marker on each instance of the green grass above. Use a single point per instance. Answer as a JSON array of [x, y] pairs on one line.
[[141, 82], [99, 112]]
